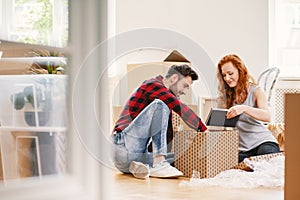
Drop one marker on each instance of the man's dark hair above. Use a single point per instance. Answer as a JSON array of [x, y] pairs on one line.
[[182, 70]]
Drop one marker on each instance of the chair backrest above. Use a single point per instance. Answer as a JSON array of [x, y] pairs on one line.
[[267, 80]]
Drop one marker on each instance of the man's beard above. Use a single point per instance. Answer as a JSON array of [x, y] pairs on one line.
[[173, 89]]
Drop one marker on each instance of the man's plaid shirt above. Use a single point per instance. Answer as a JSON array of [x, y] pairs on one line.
[[154, 89]]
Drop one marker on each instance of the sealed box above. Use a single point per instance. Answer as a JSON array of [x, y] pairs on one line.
[[292, 159], [208, 153]]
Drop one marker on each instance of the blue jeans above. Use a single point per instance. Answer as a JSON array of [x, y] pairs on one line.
[[262, 149], [132, 143]]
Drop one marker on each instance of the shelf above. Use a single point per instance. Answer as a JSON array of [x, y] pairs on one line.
[[33, 128], [40, 60]]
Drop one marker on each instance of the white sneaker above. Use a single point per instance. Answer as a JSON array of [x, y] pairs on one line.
[[164, 170], [139, 170]]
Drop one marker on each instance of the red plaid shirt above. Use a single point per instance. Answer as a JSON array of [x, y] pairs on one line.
[[154, 89]]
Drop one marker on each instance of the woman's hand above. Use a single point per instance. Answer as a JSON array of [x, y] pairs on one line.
[[259, 112], [235, 111]]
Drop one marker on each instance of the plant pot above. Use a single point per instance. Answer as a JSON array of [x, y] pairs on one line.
[[42, 116]]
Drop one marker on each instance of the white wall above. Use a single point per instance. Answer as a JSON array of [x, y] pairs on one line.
[[219, 26]]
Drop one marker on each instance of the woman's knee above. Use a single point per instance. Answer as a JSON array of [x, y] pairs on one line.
[[268, 147]]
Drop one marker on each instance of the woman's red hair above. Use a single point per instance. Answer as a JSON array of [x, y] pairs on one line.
[[228, 96]]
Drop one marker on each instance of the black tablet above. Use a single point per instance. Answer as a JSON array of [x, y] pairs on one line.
[[217, 117]]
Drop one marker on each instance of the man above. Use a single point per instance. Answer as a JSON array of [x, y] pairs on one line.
[[146, 123]]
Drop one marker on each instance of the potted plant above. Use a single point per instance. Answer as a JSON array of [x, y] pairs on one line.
[[47, 62]]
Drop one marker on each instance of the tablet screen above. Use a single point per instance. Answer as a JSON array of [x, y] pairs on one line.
[[217, 117]]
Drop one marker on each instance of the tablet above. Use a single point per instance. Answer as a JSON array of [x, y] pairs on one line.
[[217, 117]]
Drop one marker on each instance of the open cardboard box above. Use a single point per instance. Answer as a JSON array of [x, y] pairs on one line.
[[243, 166], [207, 153]]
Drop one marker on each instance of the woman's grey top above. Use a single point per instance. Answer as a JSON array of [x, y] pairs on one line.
[[251, 131]]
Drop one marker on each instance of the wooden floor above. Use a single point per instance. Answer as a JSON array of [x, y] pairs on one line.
[[126, 187]]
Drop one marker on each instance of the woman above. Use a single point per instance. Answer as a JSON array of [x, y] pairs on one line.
[[239, 93]]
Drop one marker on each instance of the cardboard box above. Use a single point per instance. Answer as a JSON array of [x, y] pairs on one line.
[[292, 159], [278, 131], [177, 121], [208, 153], [243, 166]]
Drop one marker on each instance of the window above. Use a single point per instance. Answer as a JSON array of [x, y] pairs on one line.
[[285, 36], [83, 179], [43, 22]]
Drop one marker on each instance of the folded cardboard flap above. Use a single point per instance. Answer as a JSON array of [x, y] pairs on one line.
[[175, 56]]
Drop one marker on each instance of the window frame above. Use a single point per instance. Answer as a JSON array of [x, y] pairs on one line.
[[275, 59], [83, 177], [55, 38]]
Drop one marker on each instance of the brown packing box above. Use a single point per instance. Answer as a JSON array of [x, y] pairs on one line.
[[138, 72], [243, 166], [178, 123], [292, 159], [208, 153], [278, 131]]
